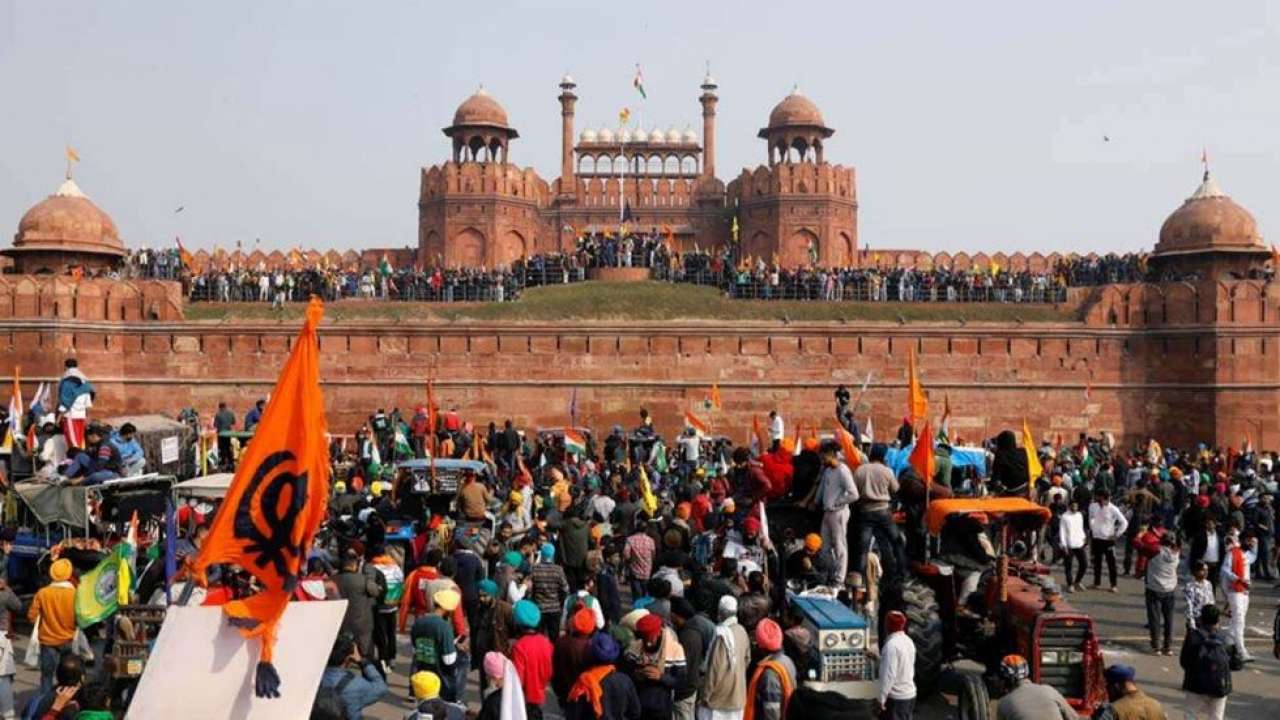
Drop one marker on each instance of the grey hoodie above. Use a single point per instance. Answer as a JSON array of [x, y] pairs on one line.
[[1162, 571]]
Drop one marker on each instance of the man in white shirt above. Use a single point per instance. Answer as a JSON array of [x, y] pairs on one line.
[[1236, 583], [777, 430], [834, 493], [897, 695], [1107, 524], [1071, 536]]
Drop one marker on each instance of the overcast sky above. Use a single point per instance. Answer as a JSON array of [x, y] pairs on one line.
[[973, 126]]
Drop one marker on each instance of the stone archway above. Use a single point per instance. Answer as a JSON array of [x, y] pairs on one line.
[[761, 246], [800, 249], [844, 250], [466, 250], [510, 248]]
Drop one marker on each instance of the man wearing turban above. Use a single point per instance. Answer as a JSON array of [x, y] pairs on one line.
[[774, 679], [601, 692], [656, 664]]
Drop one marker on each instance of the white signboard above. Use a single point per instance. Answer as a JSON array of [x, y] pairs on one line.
[[169, 450], [201, 668]]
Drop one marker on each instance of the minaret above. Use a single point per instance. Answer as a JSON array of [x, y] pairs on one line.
[[708, 100], [567, 99]]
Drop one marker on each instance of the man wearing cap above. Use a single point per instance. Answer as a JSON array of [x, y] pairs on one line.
[[656, 663], [54, 607], [774, 678], [1128, 702], [531, 654], [426, 692], [897, 694], [601, 692], [724, 682], [434, 645], [1027, 700]]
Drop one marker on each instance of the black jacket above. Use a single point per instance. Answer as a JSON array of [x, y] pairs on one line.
[[1204, 679]]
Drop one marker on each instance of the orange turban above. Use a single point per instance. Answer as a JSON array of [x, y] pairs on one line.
[[584, 622]]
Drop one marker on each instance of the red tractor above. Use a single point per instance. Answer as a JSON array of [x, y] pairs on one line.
[[992, 599]]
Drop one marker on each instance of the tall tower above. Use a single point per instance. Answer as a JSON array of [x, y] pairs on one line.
[[567, 100], [708, 100]]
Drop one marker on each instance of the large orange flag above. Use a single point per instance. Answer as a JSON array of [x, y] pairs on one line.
[[852, 457], [276, 501], [917, 403], [922, 458]]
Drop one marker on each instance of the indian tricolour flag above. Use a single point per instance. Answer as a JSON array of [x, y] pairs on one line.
[[574, 442], [699, 427], [638, 82]]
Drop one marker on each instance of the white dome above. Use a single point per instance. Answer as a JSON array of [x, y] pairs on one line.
[[673, 135], [690, 136], [606, 135], [624, 136], [656, 136], [567, 79], [588, 135]]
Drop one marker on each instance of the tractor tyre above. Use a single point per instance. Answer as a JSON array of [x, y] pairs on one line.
[[973, 703], [924, 627]]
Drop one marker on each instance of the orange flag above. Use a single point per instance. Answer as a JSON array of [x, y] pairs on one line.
[[917, 403], [922, 455], [276, 501], [852, 457]]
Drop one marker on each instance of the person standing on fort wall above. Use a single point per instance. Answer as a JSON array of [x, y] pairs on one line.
[[75, 397]]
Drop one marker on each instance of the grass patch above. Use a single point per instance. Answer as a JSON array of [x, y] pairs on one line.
[[648, 301]]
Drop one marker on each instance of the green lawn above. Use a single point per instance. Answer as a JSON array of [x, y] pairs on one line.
[[650, 301]]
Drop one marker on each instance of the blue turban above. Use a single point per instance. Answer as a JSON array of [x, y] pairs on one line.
[[548, 552], [527, 615], [487, 587], [604, 649], [513, 558]]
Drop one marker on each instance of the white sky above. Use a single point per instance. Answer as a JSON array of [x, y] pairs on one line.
[[973, 126]]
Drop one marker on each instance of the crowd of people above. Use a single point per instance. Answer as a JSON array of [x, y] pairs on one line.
[[623, 577], [739, 277]]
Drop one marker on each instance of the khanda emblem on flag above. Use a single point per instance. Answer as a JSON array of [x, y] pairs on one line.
[[267, 512]]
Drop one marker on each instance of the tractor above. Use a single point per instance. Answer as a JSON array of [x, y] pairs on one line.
[[993, 599]]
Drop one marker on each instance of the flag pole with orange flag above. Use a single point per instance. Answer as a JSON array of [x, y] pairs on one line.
[[922, 456], [276, 501], [917, 403]]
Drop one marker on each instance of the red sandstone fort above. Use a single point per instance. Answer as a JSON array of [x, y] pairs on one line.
[[1183, 361]]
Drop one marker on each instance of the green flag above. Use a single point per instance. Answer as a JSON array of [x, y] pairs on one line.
[[97, 596], [660, 457]]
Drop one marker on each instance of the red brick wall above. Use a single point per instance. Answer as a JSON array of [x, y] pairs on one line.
[[1185, 362]]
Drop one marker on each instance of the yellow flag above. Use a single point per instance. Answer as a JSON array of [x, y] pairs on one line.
[[624, 116], [647, 498], [1034, 469], [72, 155]]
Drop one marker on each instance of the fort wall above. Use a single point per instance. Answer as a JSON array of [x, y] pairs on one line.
[[1182, 362]]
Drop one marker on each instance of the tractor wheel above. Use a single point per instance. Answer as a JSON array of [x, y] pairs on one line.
[[924, 627], [973, 702]]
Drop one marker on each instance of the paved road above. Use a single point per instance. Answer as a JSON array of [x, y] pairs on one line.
[[1120, 619]]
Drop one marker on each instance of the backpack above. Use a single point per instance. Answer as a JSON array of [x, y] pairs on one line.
[[1213, 666]]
